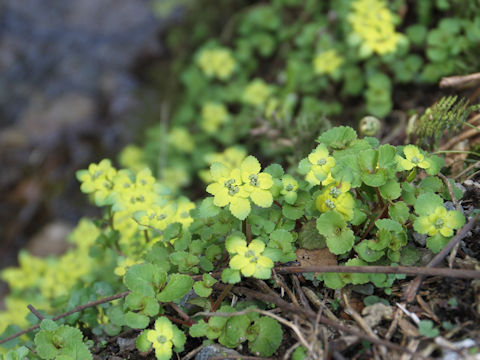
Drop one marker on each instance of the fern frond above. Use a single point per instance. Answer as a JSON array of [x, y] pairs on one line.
[[447, 114]]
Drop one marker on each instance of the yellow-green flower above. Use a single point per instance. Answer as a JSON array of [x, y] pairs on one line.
[[257, 184], [182, 215], [228, 188], [132, 157], [337, 197], [440, 221], [180, 139], [373, 26], [164, 337], [157, 217], [98, 180], [327, 62], [134, 193], [213, 115], [249, 259], [321, 164], [413, 159], [289, 188], [218, 63], [232, 157], [257, 93]]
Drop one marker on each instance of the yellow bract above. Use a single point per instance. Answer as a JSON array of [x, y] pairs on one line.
[[249, 259], [337, 197], [327, 62], [257, 93], [218, 63], [372, 23], [213, 115], [413, 159], [162, 338], [321, 164], [235, 187]]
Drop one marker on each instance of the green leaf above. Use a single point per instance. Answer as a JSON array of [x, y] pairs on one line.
[[333, 280], [309, 237], [399, 211], [366, 253], [45, 347], [437, 242], [207, 209], [338, 138], [275, 170], [201, 290], [231, 276], [390, 190], [199, 329], [427, 203], [436, 164], [390, 225], [141, 278], [136, 320], [116, 315], [341, 244], [348, 169], [142, 342], [431, 184], [408, 193], [281, 235], [235, 331], [292, 212], [339, 238], [178, 285], [300, 353], [426, 328], [48, 325], [409, 255], [268, 336], [304, 166], [373, 299]]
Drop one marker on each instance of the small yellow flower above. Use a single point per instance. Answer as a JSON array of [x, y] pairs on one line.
[[228, 188], [164, 337], [413, 159], [180, 139], [218, 63], [373, 25], [98, 180], [440, 221], [257, 184], [132, 157], [337, 197], [257, 93], [213, 116], [249, 259], [182, 215], [327, 62], [321, 163]]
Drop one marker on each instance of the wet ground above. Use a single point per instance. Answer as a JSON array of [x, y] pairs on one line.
[[67, 95]]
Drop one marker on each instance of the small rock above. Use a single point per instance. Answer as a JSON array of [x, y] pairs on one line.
[[215, 350]]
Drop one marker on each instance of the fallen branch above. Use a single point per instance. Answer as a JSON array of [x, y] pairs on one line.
[[407, 270]]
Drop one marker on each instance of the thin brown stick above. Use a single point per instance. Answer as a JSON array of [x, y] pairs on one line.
[[407, 270], [456, 81], [73, 311], [411, 291], [372, 224], [35, 312], [181, 313], [460, 137], [450, 192]]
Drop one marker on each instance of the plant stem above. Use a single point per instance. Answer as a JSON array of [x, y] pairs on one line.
[[222, 296]]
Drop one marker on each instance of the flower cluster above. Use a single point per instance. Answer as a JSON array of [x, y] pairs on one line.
[[413, 158], [164, 337], [327, 62], [248, 259], [373, 24], [232, 158], [181, 140], [337, 197], [218, 63], [213, 116], [235, 187], [320, 164], [257, 93], [98, 180]]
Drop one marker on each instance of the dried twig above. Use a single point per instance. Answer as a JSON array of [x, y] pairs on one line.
[[460, 81], [35, 312], [407, 270]]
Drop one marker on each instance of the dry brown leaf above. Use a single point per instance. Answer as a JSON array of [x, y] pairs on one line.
[[316, 257]]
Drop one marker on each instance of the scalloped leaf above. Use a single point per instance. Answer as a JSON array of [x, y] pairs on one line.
[[427, 203], [178, 286], [338, 138], [268, 337]]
